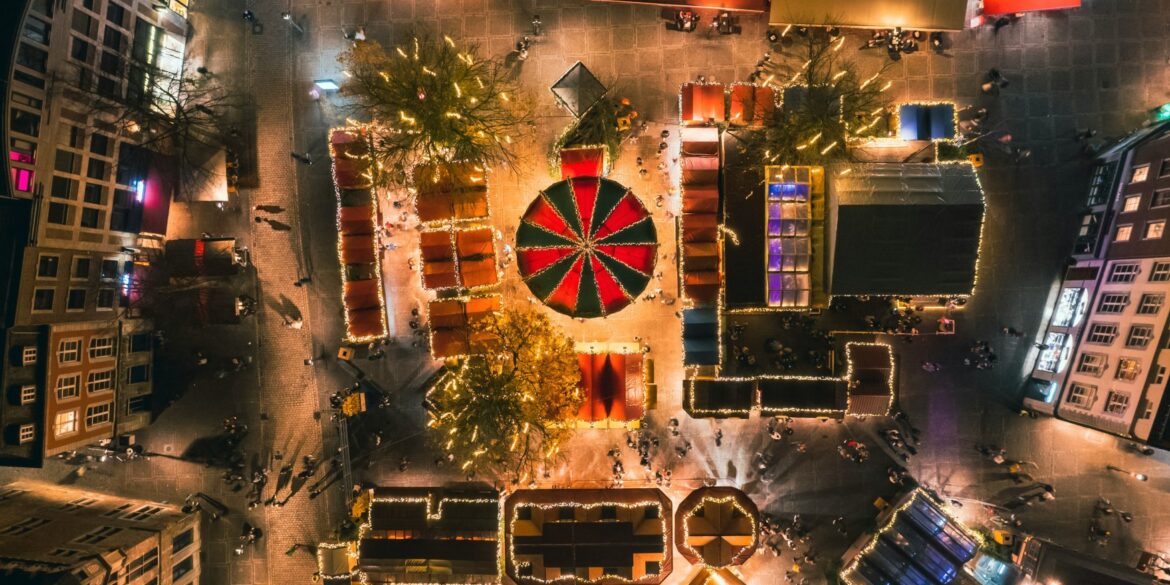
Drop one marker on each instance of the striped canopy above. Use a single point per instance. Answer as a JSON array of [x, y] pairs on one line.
[[586, 247]]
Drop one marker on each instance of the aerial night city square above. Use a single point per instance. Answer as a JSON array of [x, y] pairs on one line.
[[585, 292]]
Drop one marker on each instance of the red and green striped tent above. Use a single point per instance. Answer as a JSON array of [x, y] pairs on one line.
[[586, 247]]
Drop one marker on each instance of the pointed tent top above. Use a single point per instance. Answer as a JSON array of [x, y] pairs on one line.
[[578, 89]]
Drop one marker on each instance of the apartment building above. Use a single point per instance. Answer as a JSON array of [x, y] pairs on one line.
[[1106, 347], [60, 534]]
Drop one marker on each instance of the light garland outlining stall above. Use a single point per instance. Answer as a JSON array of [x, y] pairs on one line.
[[685, 544], [463, 300], [851, 566], [453, 230], [359, 131], [320, 554], [627, 349], [607, 578], [891, 377]]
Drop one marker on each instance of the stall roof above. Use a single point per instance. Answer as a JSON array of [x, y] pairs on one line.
[[908, 14], [204, 257], [904, 229], [578, 89]]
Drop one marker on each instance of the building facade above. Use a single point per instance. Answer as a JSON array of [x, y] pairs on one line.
[[1105, 350], [49, 531]]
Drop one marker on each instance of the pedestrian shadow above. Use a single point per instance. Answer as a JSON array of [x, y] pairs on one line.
[[279, 226], [284, 307]]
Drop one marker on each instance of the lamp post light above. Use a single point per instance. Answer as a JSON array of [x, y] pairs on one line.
[[287, 16], [1135, 475]]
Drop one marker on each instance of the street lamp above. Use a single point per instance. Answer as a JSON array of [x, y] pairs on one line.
[[287, 16], [1135, 475]]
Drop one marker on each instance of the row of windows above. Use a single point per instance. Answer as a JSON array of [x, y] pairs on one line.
[[69, 350], [1153, 231], [1095, 364], [1132, 203], [1116, 302], [69, 385], [1142, 172], [45, 299], [1139, 336], [1129, 271], [48, 267], [98, 415], [1085, 396]]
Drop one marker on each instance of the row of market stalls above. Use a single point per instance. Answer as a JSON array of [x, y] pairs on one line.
[[925, 15], [358, 248], [466, 534]]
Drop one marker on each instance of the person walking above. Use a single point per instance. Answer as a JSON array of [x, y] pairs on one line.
[[302, 158]]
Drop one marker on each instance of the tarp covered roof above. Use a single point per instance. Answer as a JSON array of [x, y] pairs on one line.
[[578, 89], [992, 7], [904, 229], [908, 14]]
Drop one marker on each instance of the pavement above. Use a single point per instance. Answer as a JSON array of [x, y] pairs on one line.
[[1101, 66]]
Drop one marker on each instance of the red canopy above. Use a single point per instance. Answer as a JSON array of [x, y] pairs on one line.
[[993, 7]]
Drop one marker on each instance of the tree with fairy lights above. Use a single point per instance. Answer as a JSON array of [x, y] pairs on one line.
[[433, 103], [827, 103], [502, 412]]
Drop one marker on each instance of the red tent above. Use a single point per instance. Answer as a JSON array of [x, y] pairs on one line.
[[994, 7], [613, 386]]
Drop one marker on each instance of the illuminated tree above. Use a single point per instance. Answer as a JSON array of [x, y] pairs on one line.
[[828, 104], [432, 103], [504, 412]]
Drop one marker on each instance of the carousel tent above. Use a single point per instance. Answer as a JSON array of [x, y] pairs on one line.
[[586, 247], [928, 15]]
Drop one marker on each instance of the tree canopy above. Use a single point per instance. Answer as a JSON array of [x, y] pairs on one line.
[[827, 104], [503, 412], [430, 102]]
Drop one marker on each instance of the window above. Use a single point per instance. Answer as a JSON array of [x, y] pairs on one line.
[[116, 14], [58, 213], [24, 122], [97, 535], [1092, 364], [182, 568], [110, 269], [140, 342], [99, 144], [68, 387], [69, 351], [27, 433], [85, 25], [91, 218], [24, 526], [43, 299], [142, 513], [1161, 198], [105, 299], [1053, 356], [47, 266], [1154, 229], [37, 30], [1131, 203], [28, 355], [75, 300], [1113, 303], [1117, 403], [68, 162], [139, 404], [113, 39], [79, 504], [64, 553], [1081, 395], [95, 193], [1101, 333], [63, 188], [186, 538], [82, 51], [96, 169], [22, 179], [65, 423], [1150, 304], [1070, 308], [81, 268], [1123, 233], [1139, 174], [102, 381], [101, 347], [28, 393], [1128, 369], [1160, 377], [1124, 272], [141, 565], [1139, 336], [32, 57], [1160, 272], [139, 373], [98, 415]]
